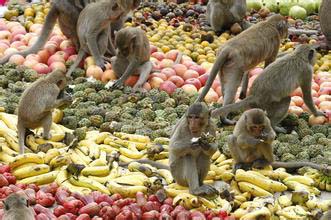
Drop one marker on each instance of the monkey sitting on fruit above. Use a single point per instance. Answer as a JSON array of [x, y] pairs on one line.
[[16, 207]]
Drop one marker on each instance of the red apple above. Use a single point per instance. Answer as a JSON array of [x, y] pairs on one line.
[[158, 55], [33, 57], [216, 84], [5, 35], [190, 89], [188, 63], [168, 72], [152, 48], [168, 86], [65, 44], [57, 38], [41, 68], [70, 51], [180, 69], [17, 44], [58, 65], [43, 56], [147, 86], [324, 91], [17, 59], [194, 81], [62, 54], [30, 63], [155, 82], [190, 74], [55, 57], [160, 75], [177, 80], [166, 63], [172, 55], [51, 47], [198, 68], [18, 37], [203, 78]]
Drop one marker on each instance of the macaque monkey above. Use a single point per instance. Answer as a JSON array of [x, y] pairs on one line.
[[132, 58], [37, 102], [243, 52], [325, 20], [272, 88], [251, 144], [326, 216], [222, 14], [93, 29], [17, 208]]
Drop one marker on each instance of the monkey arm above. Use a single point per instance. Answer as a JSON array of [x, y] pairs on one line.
[[246, 141], [266, 151], [128, 72], [238, 9], [211, 150]]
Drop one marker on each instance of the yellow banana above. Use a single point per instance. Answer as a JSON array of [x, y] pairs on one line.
[[130, 154], [55, 144], [31, 142], [162, 140], [6, 157], [95, 171], [133, 137], [62, 180], [260, 181], [166, 175], [293, 212], [224, 162], [257, 214], [253, 189], [99, 138], [293, 185], [82, 156], [284, 201], [103, 155], [300, 179], [312, 202], [220, 159], [240, 198], [75, 158], [234, 187], [51, 153], [9, 131], [32, 170], [94, 151], [163, 161], [24, 165], [133, 179], [40, 179], [60, 160], [251, 204], [98, 162], [107, 148], [215, 155], [144, 168], [238, 213], [10, 120], [225, 176], [26, 158], [187, 200], [171, 192], [10, 139], [210, 175], [89, 183], [324, 205], [5, 148], [57, 115], [126, 191]]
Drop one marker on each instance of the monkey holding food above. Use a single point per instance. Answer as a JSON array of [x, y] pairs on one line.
[[251, 144], [223, 14], [132, 58], [16, 207], [243, 52], [325, 20], [271, 90], [37, 102]]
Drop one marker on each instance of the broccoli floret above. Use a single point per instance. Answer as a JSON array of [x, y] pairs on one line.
[[80, 94], [224, 149], [3, 81], [304, 116], [127, 90], [324, 141], [84, 122], [11, 107], [315, 150], [147, 114], [169, 103], [112, 116], [14, 75], [317, 136], [327, 157], [70, 122], [157, 106], [79, 80], [80, 87], [181, 109], [308, 140], [30, 75], [320, 129], [97, 111], [145, 103], [107, 96], [133, 98], [169, 111], [281, 148], [171, 118], [69, 112], [302, 124], [78, 72], [96, 120], [158, 133], [161, 113], [12, 98], [303, 156], [93, 96], [17, 87], [287, 157], [129, 110], [289, 138], [81, 113], [144, 131], [152, 125], [90, 90], [129, 129], [98, 85], [161, 97], [129, 105], [105, 106], [117, 93], [304, 132], [126, 116], [318, 159], [80, 133]]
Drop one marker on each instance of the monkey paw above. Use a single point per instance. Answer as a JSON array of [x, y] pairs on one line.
[[47, 136], [243, 166], [207, 191], [118, 84], [227, 121], [280, 130], [260, 164]]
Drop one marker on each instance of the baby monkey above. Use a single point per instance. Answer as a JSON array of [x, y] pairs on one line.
[[17, 208], [37, 102]]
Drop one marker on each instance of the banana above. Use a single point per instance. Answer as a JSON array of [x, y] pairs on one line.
[[89, 183], [324, 205], [293, 212], [40, 179], [125, 143], [31, 142], [125, 191], [82, 156], [26, 158], [60, 160], [284, 201], [109, 141], [130, 154], [24, 165], [51, 153], [312, 202], [125, 159], [133, 137], [225, 176], [260, 181], [137, 179], [144, 168], [220, 170], [10, 120], [63, 128], [9, 131], [223, 204], [187, 200], [293, 185], [300, 179], [163, 161], [96, 171], [234, 187], [75, 158], [162, 140], [107, 148], [220, 159], [94, 151], [4, 148], [253, 189], [238, 213], [166, 175], [6, 157], [208, 203], [257, 214], [62, 180], [103, 155], [100, 138], [210, 175], [32, 170], [274, 174], [171, 192], [98, 162], [216, 155], [57, 115], [240, 198], [251, 204], [101, 179], [55, 144], [10, 139]]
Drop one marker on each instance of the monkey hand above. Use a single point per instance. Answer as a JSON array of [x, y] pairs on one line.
[[195, 145], [68, 99], [320, 113], [118, 84]]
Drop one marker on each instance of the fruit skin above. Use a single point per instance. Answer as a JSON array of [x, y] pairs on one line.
[[262, 212], [26, 158], [300, 179], [127, 191], [32, 170], [96, 171], [253, 189], [89, 183], [40, 179]]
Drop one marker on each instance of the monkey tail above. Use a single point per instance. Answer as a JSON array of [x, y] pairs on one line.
[[80, 56], [150, 162], [45, 33], [216, 68], [297, 165]]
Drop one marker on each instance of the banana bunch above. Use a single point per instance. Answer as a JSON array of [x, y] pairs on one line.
[[322, 181], [277, 174], [257, 184], [301, 183], [221, 168], [293, 212]]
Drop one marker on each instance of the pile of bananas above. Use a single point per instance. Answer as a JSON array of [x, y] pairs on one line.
[[322, 180]]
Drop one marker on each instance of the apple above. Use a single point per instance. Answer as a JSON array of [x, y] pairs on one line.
[[166, 63], [18, 37], [41, 68], [51, 47], [180, 69], [193, 81], [70, 51], [17, 59], [190, 89], [17, 44], [172, 55], [190, 74], [43, 56], [168, 72], [30, 63], [62, 54], [57, 38], [198, 68], [155, 82], [5, 35], [158, 55], [58, 65], [203, 78], [65, 44], [168, 86], [152, 48], [177, 80], [160, 75], [54, 58]]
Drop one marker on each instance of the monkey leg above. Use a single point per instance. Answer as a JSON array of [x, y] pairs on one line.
[[230, 80], [244, 86], [92, 43], [277, 111], [260, 163], [46, 124], [21, 136], [144, 70]]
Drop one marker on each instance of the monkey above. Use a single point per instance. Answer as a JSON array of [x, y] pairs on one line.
[[251, 144], [132, 58], [327, 215], [17, 208], [325, 20], [37, 102], [93, 29], [243, 52], [222, 14], [272, 88]]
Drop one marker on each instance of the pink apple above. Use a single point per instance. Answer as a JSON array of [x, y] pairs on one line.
[[203, 78], [160, 75], [41, 68], [18, 37], [70, 51], [30, 63], [168, 72], [190, 89], [168, 86], [155, 82], [198, 68], [193, 81], [65, 44], [177, 80], [152, 49], [51, 47], [58, 65], [54, 58], [62, 54], [33, 57], [190, 74], [158, 55], [180, 69], [57, 38]]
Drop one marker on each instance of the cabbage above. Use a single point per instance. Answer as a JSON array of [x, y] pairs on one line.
[[285, 5], [298, 12], [309, 5], [254, 4], [272, 5]]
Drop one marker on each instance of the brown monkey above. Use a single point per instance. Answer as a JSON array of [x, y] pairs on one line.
[[222, 14], [133, 54], [17, 208], [272, 88], [326, 216], [38, 101], [251, 144], [93, 29], [243, 52], [325, 20]]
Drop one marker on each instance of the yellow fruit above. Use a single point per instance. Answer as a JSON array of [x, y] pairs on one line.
[[26, 158], [126, 191], [253, 189], [96, 171], [40, 179]]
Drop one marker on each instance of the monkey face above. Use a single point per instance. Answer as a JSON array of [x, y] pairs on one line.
[[256, 130], [196, 124]]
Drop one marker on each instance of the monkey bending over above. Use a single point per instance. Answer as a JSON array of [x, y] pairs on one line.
[[251, 144], [325, 20], [17, 208], [93, 29], [243, 52], [272, 88], [37, 102], [132, 58], [223, 14]]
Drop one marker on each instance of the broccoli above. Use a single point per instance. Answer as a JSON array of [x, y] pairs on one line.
[[129, 129], [315, 150], [117, 93], [181, 97], [12, 98], [291, 120], [152, 124], [158, 133], [144, 131], [161, 96], [80, 94], [96, 120], [324, 141], [157, 106], [127, 90], [80, 133], [98, 85], [30, 75], [161, 113], [129, 105], [320, 129], [14, 75], [169, 111], [105, 106], [10, 65], [133, 98], [317, 136], [80, 87], [171, 118], [308, 140], [289, 138], [287, 157], [11, 107], [302, 124], [79, 80], [111, 116], [17, 87], [77, 73], [318, 159], [126, 116], [281, 148], [181, 109], [304, 132], [327, 157], [81, 113], [3, 81], [122, 100], [90, 90], [84, 122], [70, 121], [129, 110], [303, 156], [107, 96], [93, 110], [115, 126], [169, 103], [93, 96], [304, 116], [69, 112], [145, 103], [146, 114]]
